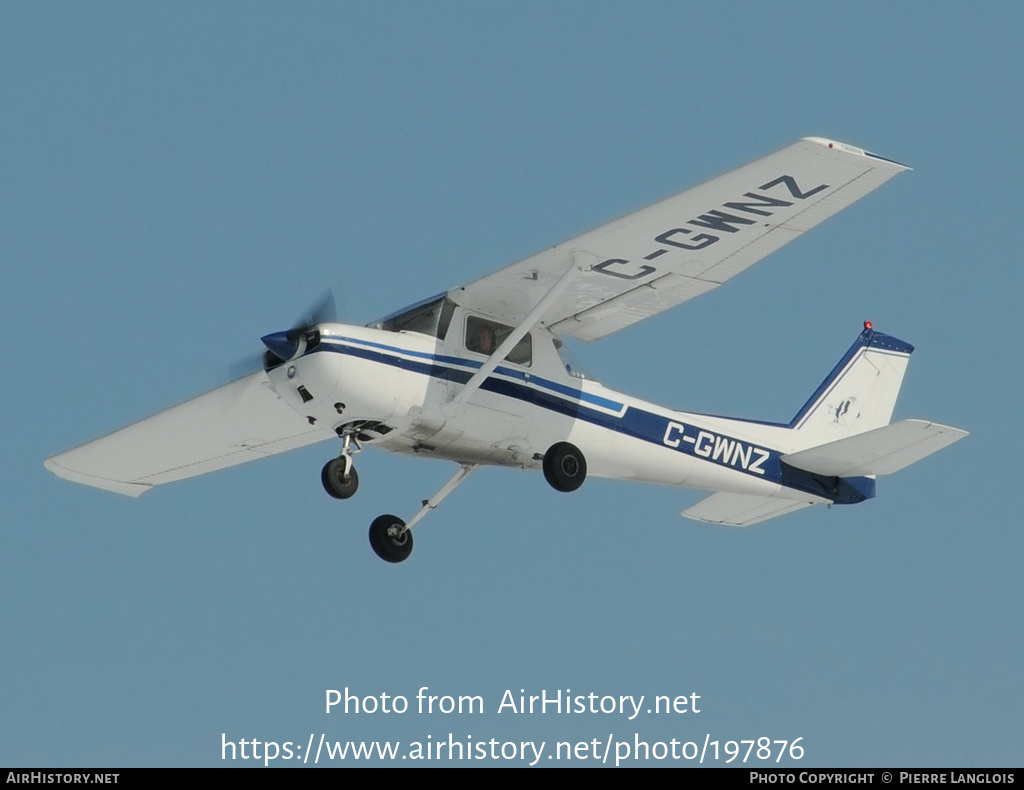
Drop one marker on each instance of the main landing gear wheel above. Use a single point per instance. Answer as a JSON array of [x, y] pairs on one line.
[[333, 478], [388, 540], [564, 466]]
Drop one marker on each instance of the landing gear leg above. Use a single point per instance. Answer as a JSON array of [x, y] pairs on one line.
[[390, 537]]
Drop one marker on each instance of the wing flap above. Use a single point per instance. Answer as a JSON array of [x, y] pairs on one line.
[[633, 306], [742, 510], [239, 422], [881, 451]]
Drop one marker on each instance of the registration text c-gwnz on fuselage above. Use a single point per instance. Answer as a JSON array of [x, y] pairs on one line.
[[477, 375]]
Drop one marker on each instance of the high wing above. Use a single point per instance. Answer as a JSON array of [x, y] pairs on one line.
[[238, 422], [683, 246]]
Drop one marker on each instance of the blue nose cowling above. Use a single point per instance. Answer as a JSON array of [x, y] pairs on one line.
[[280, 344]]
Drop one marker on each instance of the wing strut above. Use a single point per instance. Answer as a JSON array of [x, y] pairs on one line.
[[519, 332]]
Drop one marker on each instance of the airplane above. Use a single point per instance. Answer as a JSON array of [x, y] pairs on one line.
[[478, 374]]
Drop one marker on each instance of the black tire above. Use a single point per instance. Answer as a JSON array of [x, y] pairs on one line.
[[333, 478], [565, 467], [390, 547]]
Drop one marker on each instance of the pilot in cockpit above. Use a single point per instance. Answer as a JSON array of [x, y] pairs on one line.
[[482, 340]]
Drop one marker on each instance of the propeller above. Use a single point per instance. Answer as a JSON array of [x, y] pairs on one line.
[[282, 346], [323, 312]]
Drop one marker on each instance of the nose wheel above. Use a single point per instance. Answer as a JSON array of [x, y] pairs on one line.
[[338, 482]]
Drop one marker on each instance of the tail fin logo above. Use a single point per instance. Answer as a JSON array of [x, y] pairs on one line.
[[842, 410]]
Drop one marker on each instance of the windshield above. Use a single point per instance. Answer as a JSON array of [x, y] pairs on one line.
[[428, 318]]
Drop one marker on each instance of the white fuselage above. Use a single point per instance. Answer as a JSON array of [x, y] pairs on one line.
[[401, 386]]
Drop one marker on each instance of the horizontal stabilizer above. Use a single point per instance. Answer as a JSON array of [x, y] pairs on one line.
[[881, 451], [742, 510], [239, 422]]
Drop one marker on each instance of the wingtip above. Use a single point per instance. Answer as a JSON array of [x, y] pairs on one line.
[[116, 486], [835, 145]]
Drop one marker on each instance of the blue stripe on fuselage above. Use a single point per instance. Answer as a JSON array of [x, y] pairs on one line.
[[459, 362]]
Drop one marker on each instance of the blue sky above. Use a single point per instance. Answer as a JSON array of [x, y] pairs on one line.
[[180, 179]]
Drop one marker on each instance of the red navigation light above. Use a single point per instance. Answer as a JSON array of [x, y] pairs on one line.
[[867, 324]]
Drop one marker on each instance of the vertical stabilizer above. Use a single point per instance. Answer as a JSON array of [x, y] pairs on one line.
[[860, 392]]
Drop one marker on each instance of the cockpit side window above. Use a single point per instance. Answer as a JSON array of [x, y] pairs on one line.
[[484, 337]]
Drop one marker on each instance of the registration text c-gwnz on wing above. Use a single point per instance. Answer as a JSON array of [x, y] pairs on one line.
[[475, 375]]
